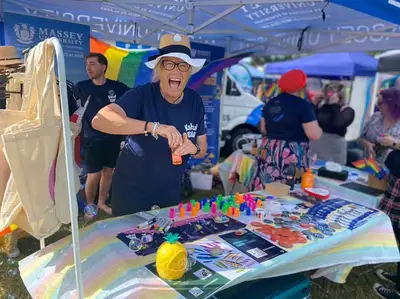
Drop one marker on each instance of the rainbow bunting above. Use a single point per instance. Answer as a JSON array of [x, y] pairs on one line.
[[126, 66]]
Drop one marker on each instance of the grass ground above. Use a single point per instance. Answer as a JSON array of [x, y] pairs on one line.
[[358, 286]]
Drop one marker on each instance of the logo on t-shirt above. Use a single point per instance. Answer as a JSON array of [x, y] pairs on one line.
[[112, 96], [191, 130]]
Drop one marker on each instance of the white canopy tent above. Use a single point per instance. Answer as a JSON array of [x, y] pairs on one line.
[[266, 26]]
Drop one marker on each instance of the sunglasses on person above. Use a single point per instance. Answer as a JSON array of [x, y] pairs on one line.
[[170, 65]]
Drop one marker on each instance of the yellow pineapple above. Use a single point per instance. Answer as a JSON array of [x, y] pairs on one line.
[[171, 258]]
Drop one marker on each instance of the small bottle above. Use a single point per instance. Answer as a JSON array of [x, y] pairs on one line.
[[307, 180], [176, 159], [291, 176], [254, 148]]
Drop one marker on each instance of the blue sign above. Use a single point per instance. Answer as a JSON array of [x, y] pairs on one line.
[[24, 32], [210, 92]]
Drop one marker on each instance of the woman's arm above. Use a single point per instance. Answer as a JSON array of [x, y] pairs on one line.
[[312, 130], [263, 127], [202, 143], [369, 146], [112, 119]]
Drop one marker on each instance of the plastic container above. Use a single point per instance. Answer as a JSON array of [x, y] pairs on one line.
[[272, 206], [307, 181], [176, 159]]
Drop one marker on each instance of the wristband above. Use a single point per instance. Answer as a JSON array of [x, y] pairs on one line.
[[155, 128], [146, 133], [198, 150]]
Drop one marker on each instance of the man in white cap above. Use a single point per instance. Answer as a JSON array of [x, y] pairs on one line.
[[145, 175]]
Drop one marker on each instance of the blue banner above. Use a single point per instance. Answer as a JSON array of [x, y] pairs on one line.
[[210, 92], [24, 32]]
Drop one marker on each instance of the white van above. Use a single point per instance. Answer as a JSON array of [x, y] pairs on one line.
[[240, 115]]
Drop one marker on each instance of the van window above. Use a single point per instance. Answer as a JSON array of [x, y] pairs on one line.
[[231, 89]]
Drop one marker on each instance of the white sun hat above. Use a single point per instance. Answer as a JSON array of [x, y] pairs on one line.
[[178, 46]]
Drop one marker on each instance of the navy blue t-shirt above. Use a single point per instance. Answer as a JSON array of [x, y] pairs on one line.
[[144, 174], [100, 96], [285, 115]]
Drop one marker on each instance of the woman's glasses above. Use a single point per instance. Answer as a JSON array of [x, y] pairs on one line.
[[170, 65]]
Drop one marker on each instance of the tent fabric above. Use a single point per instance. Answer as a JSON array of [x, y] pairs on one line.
[[384, 9], [269, 27], [328, 65], [388, 64]]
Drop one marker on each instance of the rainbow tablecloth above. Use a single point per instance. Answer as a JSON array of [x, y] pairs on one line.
[[111, 270]]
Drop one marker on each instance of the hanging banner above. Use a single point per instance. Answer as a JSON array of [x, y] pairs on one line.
[[210, 92], [24, 32]]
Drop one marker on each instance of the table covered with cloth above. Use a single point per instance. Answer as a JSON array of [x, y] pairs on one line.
[[111, 269], [237, 170]]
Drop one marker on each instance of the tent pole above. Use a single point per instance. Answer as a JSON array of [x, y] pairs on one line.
[[157, 29], [217, 18], [69, 164], [237, 2], [374, 95], [251, 30], [150, 16]]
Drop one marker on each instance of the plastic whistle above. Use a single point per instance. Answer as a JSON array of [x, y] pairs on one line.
[[8, 230]]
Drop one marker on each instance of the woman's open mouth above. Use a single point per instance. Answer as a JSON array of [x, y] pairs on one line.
[[174, 83]]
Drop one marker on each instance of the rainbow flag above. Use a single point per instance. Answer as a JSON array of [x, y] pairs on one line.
[[360, 164], [272, 90], [374, 165], [126, 66]]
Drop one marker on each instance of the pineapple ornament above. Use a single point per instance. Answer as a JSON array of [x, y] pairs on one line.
[[171, 258]]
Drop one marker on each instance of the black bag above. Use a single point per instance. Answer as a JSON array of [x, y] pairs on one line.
[[186, 185]]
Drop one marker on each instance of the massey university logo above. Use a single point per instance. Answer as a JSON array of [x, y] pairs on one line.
[[395, 3], [112, 96], [25, 33], [191, 130]]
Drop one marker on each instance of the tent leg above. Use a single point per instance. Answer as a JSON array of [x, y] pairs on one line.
[[66, 129], [42, 243], [373, 96]]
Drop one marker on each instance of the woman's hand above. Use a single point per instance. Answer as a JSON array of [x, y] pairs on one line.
[[187, 148], [370, 147], [387, 141], [172, 134]]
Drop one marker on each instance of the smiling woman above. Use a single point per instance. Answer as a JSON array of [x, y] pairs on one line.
[[145, 174]]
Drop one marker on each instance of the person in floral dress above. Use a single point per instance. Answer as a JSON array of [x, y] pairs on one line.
[[288, 124]]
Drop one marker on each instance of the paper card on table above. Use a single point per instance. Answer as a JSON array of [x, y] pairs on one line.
[[198, 282], [253, 245], [221, 257]]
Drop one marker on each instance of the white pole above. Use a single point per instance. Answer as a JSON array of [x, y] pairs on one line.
[[374, 95], [69, 163]]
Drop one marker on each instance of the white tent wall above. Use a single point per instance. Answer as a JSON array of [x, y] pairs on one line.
[[359, 93]]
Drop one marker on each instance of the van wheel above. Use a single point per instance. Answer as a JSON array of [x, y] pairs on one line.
[[237, 140]]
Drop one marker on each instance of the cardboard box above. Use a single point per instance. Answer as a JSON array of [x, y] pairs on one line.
[[374, 182]]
